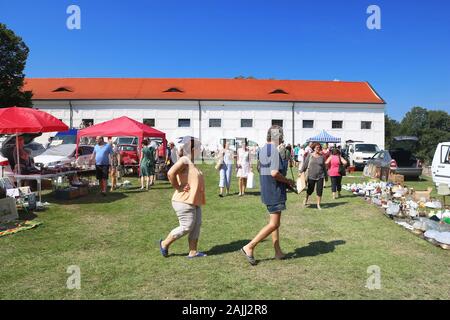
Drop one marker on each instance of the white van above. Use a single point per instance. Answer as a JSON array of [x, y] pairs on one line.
[[440, 167], [359, 152]]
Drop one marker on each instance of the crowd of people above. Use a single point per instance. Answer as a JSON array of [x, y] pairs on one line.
[[318, 163]]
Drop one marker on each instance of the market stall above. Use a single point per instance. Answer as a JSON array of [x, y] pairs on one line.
[[18, 121], [122, 127], [324, 137]]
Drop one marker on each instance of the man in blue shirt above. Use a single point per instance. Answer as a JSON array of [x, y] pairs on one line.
[[102, 154], [273, 192]]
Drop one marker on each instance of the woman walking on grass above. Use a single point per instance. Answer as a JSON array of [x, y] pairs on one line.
[[226, 157], [147, 168], [189, 196], [334, 162], [244, 168], [315, 165]]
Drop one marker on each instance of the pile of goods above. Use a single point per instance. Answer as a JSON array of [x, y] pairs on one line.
[[414, 210]]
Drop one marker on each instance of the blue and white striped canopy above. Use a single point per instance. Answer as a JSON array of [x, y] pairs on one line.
[[324, 136]]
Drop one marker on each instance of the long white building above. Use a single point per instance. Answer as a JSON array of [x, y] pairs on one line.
[[213, 109]]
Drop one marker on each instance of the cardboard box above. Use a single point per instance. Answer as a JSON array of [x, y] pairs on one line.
[[83, 190], [397, 179], [418, 195]]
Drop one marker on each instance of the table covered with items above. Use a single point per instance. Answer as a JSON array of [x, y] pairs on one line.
[[414, 210]]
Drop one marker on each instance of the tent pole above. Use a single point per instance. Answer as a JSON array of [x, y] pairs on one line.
[[18, 154]]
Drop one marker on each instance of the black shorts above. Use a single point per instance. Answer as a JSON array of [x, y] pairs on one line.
[[102, 172]]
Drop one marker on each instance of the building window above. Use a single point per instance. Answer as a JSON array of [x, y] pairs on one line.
[[184, 123], [366, 125], [87, 123], [277, 123], [149, 122], [337, 124], [308, 124], [246, 123], [215, 123]]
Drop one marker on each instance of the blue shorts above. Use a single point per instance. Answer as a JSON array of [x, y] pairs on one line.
[[274, 208]]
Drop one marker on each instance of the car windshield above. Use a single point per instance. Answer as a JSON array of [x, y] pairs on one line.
[[126, 140], [64, 140], [366, 148], [34, 146], [127, 148], [61, 150]]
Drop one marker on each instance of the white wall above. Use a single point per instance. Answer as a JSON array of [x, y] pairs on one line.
[[167, 113]]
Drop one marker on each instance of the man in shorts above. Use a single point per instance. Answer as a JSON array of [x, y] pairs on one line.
[[273, 192], [102, 154]]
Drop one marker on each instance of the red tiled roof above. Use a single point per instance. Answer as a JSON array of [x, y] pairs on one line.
[[201, 89]]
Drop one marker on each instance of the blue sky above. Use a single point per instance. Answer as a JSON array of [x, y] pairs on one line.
[[407, 61]]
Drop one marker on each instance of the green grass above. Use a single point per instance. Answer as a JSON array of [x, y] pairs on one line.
[[114, 241]]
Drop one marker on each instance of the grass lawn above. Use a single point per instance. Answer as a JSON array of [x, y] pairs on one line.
[[114, 241]]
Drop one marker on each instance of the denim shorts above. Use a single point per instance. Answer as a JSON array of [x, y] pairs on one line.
[[276, 207]]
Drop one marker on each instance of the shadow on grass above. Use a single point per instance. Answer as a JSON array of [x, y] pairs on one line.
[[227, 248], [314, 249], [24, 215], [327, 205], [252, 193], [93, 197], [220, 249], [347, 196]]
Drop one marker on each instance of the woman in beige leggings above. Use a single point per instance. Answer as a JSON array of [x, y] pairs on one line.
[[187, 200]]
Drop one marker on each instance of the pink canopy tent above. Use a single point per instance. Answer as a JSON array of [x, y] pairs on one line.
[[122, 127]]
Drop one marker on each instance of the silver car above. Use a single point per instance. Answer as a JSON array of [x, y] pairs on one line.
[[399, 158]]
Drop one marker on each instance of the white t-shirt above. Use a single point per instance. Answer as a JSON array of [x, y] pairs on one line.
[[228, 157], [173, 155]]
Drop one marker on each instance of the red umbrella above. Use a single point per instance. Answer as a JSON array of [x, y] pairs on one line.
[[27, 120], [17, 120]]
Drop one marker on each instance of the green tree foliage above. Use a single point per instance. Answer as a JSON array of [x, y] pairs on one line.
[[430, 126], [13, 56], [391, 129]]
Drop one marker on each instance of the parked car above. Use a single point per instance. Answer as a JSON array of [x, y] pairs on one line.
[[399, 158], [64, 155], [5, 168], [2, 139], [359, 153], [127, 141], [440, 167], [128, 155], [9, 144], [65, 137]]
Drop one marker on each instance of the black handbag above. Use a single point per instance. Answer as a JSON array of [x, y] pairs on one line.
[[342, 170]]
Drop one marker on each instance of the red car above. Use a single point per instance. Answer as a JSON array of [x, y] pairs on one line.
[[128, 155]]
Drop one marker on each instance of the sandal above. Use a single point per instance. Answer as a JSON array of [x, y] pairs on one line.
[[198, 255], [250, 259], [164, 252]]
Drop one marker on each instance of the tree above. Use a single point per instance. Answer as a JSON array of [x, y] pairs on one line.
[[414, 122], [13, 56], [391, 129], [430, 126]]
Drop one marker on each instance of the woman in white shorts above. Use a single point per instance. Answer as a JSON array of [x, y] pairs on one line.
[[244, 167]]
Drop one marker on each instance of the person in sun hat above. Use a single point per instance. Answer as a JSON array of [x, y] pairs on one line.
[[188, 198]]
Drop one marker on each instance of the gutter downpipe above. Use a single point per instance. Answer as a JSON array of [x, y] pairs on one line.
[[200, 123], [293, 124], [70, 115]]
